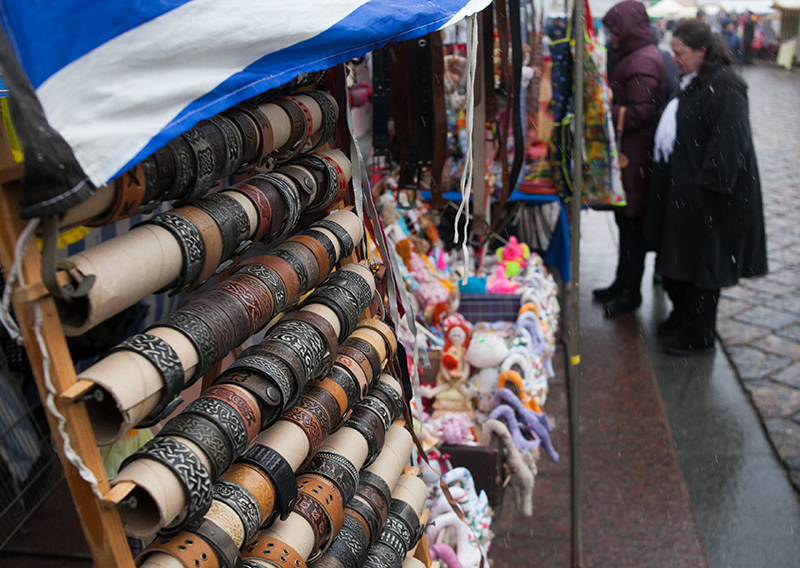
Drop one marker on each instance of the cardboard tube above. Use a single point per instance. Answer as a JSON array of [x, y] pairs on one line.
[[288, 439], [126, 269], [96, 205], [410, 562], [411, 489], [280, 122], [294, 531], [339, 157], [373, 338], [394, 455], [349, 222], [156, 487], [161, 560], [131, 386], [348, 443]]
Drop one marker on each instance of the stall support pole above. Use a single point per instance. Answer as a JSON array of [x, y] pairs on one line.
[[574, 297]]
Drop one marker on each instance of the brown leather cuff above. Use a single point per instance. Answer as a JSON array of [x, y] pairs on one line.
[[275, 552], [212, 239], [253, 297], [262, 205], [319, 252], [256, 482], [130, 190], [245, 407]]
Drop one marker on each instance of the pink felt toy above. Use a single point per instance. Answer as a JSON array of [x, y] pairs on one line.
[[499, 283], [513, 257]]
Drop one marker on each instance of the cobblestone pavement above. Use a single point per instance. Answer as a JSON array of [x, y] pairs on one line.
[[759, 319]]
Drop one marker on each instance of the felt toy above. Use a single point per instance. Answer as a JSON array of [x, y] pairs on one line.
[[521, 471], [485, 354], [507, 413], [466, 546], [474, 285], [534, 422], [446, 554], [452, 391], [515, 379], [513, 257], [499, 283]]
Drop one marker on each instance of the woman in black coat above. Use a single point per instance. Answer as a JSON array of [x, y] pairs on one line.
[[705, 216]]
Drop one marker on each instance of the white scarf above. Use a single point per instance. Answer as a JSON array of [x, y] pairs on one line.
[[668, 125]]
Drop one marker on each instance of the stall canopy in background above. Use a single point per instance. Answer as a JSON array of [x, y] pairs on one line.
[[111, 82]]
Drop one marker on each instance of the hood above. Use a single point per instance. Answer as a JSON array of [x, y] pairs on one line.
[[629, 22]]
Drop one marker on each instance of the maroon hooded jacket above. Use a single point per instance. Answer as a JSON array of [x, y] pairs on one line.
[[638, 83]]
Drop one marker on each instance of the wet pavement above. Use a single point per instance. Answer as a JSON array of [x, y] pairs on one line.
[[759, 320]]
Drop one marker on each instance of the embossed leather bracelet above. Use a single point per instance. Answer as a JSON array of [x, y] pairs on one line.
[[382, 329], [285, 272], [360, 509], [353, 368], [381, 556], [349, 548], [214, 314], [323, 239], [227, 552], [339, 174], [359, 358], [379, 408], [302, 262], [402, 511], [345, 240], [368, 350], [338, 469], [314, 422], [325, 493], [367, 423], [277, 204], [243, 503], [297, 135], [320, 254], [248, 131], [262, 206], [208, 148], [249, 411], [268, 379], [352, 282], [164, 160], [280, 473], [374, 498], [224, 417], [190, 550], [327, 184], [190, 241], [395, 400], [254, 297], [317, 517], [205, 435], [318, 325], [394, 541], [129, 194], [201, 337], [212, 240], [274, 552], [331, 401], [231, 219], [330, 113], [345, 384], [303, 180], [162, 356], [304, 340], [376, 482], [271, 281], [193, 476], [233, 144], [256, 482], [285, 357], [342, 303], [185, 169], [266, 133]]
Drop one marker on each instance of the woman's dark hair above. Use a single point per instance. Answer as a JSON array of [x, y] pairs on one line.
[[698, 35]]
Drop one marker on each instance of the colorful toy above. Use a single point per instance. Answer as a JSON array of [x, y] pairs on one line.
[[513, 257]]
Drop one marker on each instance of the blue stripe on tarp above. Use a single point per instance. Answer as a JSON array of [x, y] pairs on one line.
[[369, 27], [48, 35]]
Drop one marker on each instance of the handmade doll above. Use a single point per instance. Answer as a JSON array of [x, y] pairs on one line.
[[452, 393]]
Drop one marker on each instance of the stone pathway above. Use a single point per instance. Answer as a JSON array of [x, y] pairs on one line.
[[759, 320]]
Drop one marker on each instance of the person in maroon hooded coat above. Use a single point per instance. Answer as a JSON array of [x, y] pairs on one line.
[[638, 83]]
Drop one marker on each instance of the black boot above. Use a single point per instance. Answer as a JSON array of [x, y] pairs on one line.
[[626, 302], [607, 294]]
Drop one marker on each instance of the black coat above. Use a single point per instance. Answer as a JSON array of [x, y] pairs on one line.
[[705, 215]]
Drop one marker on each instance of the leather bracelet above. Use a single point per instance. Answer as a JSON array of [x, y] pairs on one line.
[[319, 252], [396, 401], [317, 517], [225, 548], [382, 329], [338, 469], [212, 240], [215, 317], [277, 204], [190, 241], [224, 417], [356, 372], [284, 357], [248, 131], [330, 113], [274, 552], [354, 283], [268, 379], [302, 262], [367, 423], [244, 406], [256, 482], [376, 482], [368, 350], [400, 511], [357, 507], [149, 183], [343, 304], [342, 179], [229, 306], [297, 135], [129, 194], [315, 425], [324, 492], [394, 541], [271, 281], [285, 194], [308, 120], [337, 393], [231, 219], [346, 382], [280, 473], [373, 497], [303, 180], [327, 244], [381, 556], [360, 358], [205, 435], [164, 160], [320, 326], [350, 546], [208, 148], [199, 335], [287, 275], [327, 184], [243, 503], [306, 342], [189, 550], [162, 356], [187, 468], [379, 408], [266, 138], [262, 206], [233, 144], [185, 169], [313, 397], [345, 240], [254, 297]]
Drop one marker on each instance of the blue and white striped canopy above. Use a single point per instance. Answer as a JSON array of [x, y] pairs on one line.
[[119, 79]]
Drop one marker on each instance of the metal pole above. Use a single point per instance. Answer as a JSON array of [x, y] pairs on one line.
[[579, 25]]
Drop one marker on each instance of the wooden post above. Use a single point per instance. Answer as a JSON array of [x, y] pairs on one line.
[[101, 525]]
